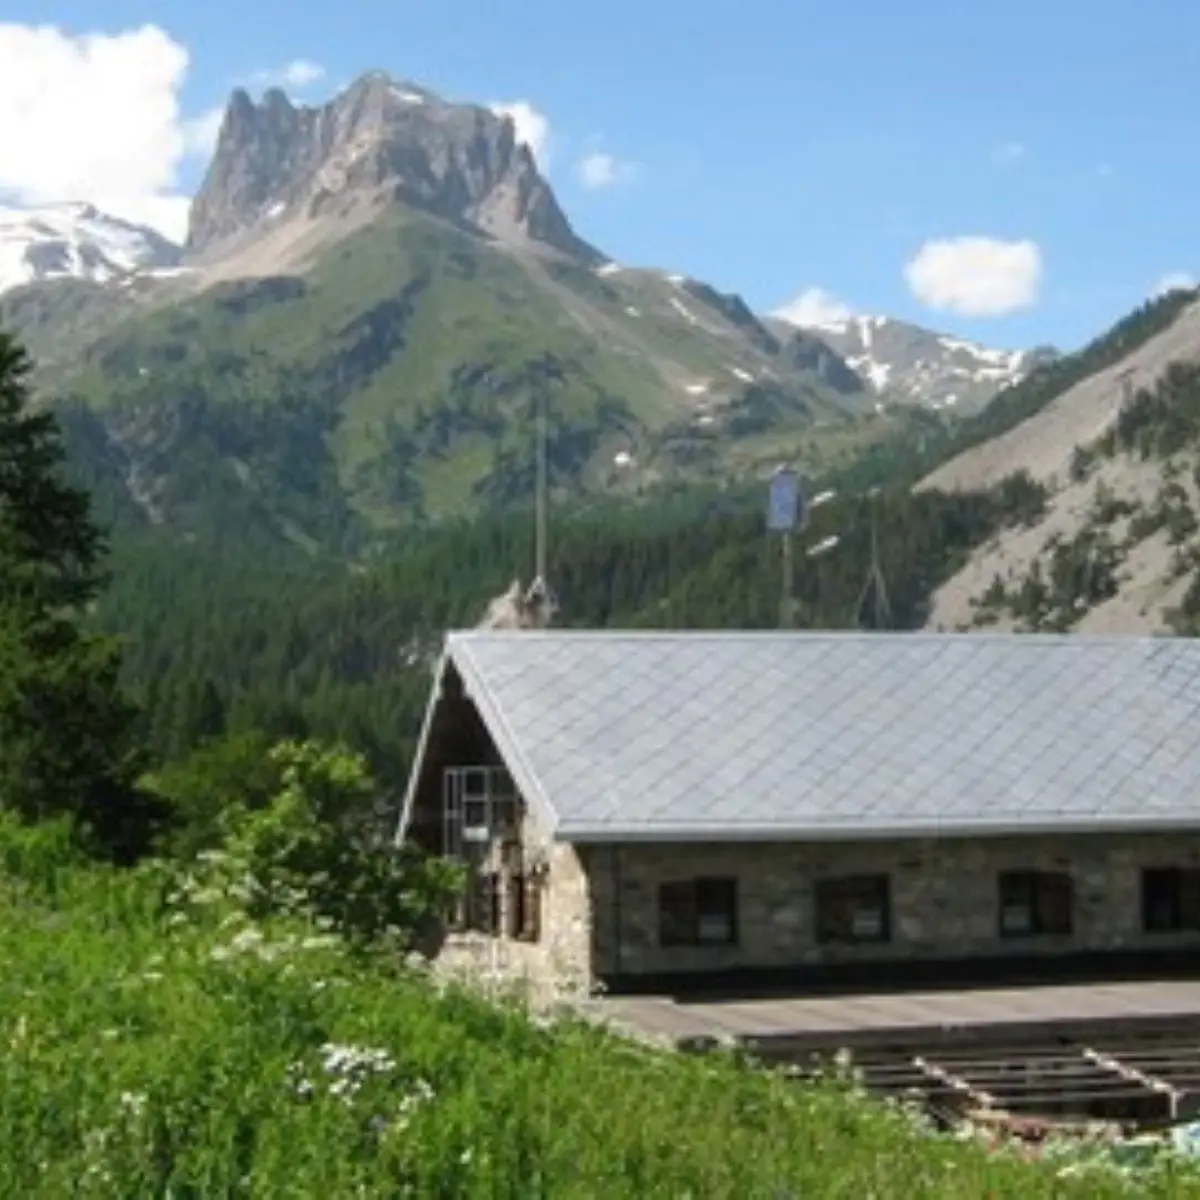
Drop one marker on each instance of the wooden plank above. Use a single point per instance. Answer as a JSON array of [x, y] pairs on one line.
[[954, 1082], [1152, 1082]]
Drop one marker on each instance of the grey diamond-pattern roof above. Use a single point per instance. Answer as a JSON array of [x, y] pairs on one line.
[[636, 732]]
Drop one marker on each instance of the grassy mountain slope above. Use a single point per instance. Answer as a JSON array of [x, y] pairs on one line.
[[398, 378]]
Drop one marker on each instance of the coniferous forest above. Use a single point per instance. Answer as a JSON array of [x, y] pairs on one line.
[[210, 642], [217, 644]]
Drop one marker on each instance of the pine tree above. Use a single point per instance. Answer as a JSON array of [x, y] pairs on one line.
[[67, 734]]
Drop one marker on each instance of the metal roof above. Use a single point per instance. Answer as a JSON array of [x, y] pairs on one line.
[[699, 735]]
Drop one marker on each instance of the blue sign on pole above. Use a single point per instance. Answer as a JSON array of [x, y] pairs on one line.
[[785, 504]]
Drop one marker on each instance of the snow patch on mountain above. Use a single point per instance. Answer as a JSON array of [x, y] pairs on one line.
[[906, 364], [76, 241]]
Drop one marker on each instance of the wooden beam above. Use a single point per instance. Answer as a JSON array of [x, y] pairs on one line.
[[954, 1082], [1152, 1082]]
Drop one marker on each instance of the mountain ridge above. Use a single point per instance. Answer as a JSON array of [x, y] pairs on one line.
[[906, 363], [288, 181], [376, 296]]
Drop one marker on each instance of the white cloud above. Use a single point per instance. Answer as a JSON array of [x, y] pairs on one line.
[[532, 126], [200, 133], [976, 276], [1009, 154], [96, 117], [298, 73], [599, 169], [1174, 281], [814, 308]]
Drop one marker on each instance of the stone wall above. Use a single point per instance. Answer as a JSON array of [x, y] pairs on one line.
[[944, 901], [555, 967]]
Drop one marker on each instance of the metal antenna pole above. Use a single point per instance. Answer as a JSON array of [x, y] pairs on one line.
[[883, 612], [881, 609], [540, 499], [786, 607], [786, 510]]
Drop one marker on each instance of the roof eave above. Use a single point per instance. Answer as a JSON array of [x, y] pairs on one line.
[[410, 789], [663, 834]]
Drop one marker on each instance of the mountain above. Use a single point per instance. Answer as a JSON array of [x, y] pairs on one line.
[[376, 296], [906, 364], [75, 241], [1115, 447], [379, 143]]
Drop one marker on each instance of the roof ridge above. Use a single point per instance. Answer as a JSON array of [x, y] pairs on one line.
[[814, 635]]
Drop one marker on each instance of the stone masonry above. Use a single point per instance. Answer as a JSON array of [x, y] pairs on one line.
[[944, 898], [600, 905], [555, 967]]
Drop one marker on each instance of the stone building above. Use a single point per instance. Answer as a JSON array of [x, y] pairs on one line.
[[648, 810]]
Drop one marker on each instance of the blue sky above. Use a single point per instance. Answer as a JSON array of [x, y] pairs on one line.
[[768, 147]]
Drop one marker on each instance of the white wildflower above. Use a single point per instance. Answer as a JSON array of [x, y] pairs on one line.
[[247, 939]]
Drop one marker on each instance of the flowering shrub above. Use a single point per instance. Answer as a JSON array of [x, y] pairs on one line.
[[304, 853]]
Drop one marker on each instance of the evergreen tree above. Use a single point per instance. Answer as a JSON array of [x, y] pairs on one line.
[[66, 731]]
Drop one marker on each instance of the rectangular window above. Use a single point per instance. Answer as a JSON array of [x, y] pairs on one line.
[[854, 909], [698, 912], [1036, 903], [1170, 899]]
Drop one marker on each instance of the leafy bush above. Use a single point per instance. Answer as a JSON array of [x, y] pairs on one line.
[[236, 771], [309, 851]]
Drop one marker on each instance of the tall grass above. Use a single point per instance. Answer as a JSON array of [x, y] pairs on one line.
[[151, 1051]]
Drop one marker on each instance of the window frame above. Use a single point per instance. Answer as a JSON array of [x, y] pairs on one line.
[[825, 894], [1034, 882], [1185, 897], [685, 904]]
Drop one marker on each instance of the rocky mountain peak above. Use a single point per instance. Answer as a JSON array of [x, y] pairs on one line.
[[380, 139]]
